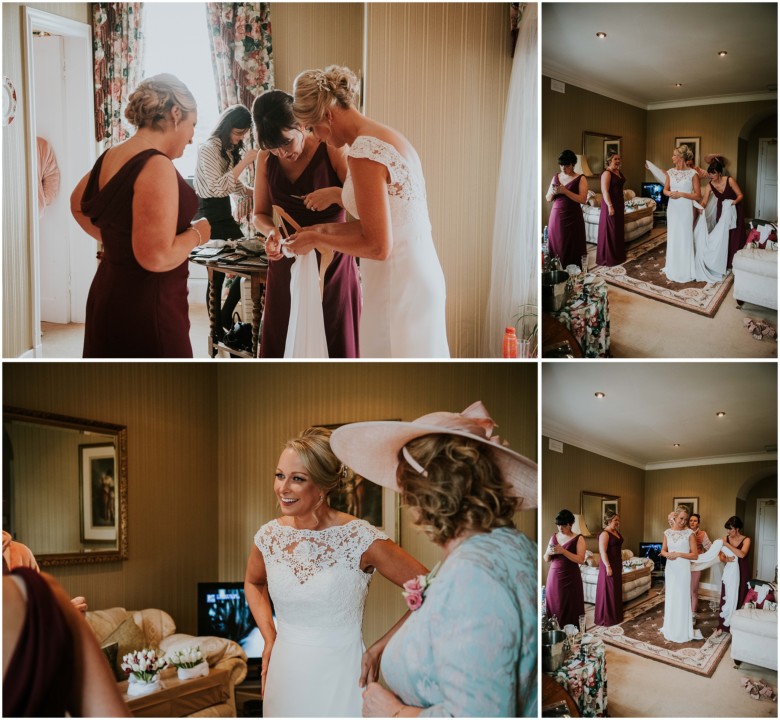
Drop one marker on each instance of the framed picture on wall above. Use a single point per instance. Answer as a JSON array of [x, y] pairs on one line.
[[99, 498], [610, 147], [694, 144], [366, 500], [611, 505], [692, 503]]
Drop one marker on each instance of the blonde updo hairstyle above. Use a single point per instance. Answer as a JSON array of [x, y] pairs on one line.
[[684, 152], [607, 518], [325, 469], [680, 509], [316, 91], [152, 101], [462, 491]]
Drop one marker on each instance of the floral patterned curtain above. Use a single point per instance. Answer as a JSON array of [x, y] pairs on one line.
[[117, 47], [240, 40]]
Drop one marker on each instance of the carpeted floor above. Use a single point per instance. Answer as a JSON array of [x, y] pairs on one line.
[[640, 633], [642, 273], [640, 687], [644, 328]]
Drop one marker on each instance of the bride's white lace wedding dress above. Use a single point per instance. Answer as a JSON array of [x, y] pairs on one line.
[[680, 263], [318, 591], [678, 622], [403, 296]]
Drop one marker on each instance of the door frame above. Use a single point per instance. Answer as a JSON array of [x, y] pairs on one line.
[[762, 164], [759, 547], [70, 29]]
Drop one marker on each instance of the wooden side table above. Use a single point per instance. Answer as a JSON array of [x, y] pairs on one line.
[[256, 274], [180, 698], [553, 694]]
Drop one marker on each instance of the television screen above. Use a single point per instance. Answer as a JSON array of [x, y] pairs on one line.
[[656, 192], [652, 550], [224, 612]]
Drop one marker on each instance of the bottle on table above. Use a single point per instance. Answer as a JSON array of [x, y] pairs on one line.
[[510, 343]]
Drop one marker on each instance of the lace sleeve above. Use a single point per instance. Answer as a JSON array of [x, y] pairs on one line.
[[363, 535], [262, 537]]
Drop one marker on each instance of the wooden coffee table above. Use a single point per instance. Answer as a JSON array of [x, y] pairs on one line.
[[180, 698]]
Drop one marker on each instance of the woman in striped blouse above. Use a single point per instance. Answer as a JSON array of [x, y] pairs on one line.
[[217, 173]]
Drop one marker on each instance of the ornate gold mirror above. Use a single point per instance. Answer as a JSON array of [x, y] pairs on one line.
[[65, 486]]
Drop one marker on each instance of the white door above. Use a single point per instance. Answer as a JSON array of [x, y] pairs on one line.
[[53, 239], [766, 184], [766, 539]]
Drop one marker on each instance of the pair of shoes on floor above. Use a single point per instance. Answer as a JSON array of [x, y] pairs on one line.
[[759, 690], [760, 329]]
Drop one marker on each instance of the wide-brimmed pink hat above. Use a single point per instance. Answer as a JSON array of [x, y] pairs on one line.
[[371, 449]]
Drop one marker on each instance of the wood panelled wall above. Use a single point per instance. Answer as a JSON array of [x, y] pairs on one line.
[[720, 128], [439, 73], [261, 406], [566, 116], [203, 442], [565, 475], [314, 35], [173, 449]]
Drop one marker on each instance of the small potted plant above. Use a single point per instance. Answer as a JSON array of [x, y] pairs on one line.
[[143, 670], [189, 663]]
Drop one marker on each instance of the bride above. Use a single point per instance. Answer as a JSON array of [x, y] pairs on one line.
[[683, 188], [679, 549]]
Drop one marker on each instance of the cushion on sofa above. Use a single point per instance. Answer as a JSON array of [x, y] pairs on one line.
[[213, 648], [757, 261], [129, 638]]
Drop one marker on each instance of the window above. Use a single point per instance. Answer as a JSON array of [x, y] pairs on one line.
[[176, 42]]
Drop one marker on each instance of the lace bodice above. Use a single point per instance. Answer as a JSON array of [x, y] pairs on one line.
[[681, 180], [406, 181], [314, 576], [677, 540]]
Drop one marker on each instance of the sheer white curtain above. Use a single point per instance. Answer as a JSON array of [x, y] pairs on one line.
[[515, 229]]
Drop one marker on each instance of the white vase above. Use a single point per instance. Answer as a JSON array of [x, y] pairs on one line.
[[201, 669], [136, 687]]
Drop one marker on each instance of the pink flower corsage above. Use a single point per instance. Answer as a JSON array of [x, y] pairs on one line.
[[414, 589]]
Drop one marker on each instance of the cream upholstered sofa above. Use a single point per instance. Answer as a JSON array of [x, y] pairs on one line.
[[637, 576], [755, 276], [754, 637], [158, 630], [637, 218]]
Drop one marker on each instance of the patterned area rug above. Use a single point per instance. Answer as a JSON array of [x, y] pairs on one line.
[[641, 273], [639, 634]]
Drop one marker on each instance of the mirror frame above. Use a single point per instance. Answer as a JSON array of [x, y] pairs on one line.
[[74, 423], [600, 496], [604, 137]]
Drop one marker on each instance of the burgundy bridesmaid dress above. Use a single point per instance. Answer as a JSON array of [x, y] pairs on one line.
[[611, 248], [737, 236], [341, 294], [744, 575], [609, 590], [132, 312], [566, 227], [563, 593]]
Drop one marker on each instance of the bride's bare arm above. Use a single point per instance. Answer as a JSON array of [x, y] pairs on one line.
[[259, 601]]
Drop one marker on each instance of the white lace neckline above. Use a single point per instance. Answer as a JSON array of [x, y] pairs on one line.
[[316, 532]]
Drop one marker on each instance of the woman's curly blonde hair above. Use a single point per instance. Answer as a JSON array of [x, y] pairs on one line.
[[325, 469], [152, 101], [462, 491], [316, 91], [684, 152]]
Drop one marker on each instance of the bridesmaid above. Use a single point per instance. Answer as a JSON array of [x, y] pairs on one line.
[[739, 544], [726, 188], [565, 553], [567, 192], [611, 249], [609, 589]]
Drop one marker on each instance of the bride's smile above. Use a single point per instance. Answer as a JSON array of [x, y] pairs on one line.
[[293, 487]]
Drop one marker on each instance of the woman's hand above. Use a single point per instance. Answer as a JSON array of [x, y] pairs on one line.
[[250, 155], [322, 199], [302, 242], [672, 555], [378, 702], [611, 209], [609, 570], [674, 194], [264, 670], [273, 246], [369, 665]]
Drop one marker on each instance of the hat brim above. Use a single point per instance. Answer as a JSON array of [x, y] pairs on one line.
[[371, 449]]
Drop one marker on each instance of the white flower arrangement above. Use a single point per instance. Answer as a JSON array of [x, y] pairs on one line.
[[187, 658], [144, 665]]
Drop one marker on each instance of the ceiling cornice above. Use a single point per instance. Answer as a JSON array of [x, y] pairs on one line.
[[551, 71], [551, 430]]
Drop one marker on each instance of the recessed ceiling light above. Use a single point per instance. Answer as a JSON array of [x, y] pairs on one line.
[[601, 35], [722, 53], [677, 444], [599, 395], [720, 413], [678, 84]]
